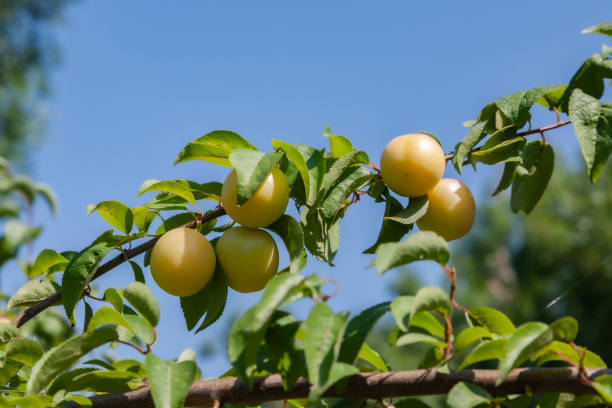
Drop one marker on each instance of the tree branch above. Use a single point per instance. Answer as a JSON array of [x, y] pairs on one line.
[[37, 308], [367, 385], [540, 130]]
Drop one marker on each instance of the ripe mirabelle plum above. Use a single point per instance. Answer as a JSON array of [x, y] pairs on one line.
[[182, 261], [451, 210], [267, 205], [249, 258], [412, 164]]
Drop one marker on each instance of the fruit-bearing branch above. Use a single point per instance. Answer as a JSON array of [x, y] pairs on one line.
[[44, 304], [375, 386], [540, 130]]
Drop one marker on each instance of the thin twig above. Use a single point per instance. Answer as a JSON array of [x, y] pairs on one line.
[[135, 347], [541, 130]]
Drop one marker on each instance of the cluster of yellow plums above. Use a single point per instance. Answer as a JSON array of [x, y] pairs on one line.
[[412, 165], [183, 261]]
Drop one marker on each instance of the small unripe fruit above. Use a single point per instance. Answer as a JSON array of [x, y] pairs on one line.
[[451, 210], [412, 164], [267, 205], [182, 262], [248, 257]]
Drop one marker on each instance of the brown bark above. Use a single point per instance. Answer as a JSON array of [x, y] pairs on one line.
[[368, 385]]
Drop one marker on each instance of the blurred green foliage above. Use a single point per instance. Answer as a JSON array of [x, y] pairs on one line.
[[27, 52], [555, 262]]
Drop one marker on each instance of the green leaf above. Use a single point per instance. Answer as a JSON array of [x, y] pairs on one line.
[[63, 356], [138, 273], [603, 386], [8, 332], [210, 300], [243, 345], [368, 354], [310, 164], [277, 290], [392, 229], [139, 326], [321, 236], [17, 233], [588, 78], [411, 403], [527, 339], [488, 350], [532, 177], [107, 315], [24, 350], [285, 355], [339, 145], [181, 188], [214, 147], [358, 329], [102, 381], [593, 126], [79, 272], [492, 320], [603, 28], [290, 231], [252, 168], [343, 163], [32, 292], [475, 135], [143, 218], [323, 333], [46, 259], [65, 379], [167, 202], [177, 220], [115, 213], [507, 177], [515, 107], [142, 299], [417, 207], [413, 337], [351, 180], [420, 246], [8, 209], [427, 322], [401, 308], [565, 328], [112, 296], [506, 151], [431, 298], [170, 381], [466, 395], [470, 335], [560, 351], [553, 97]]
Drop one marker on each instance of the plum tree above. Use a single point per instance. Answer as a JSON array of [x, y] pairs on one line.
[[451, 210], [307, 358], [248, 257], [182, 261], [412, 164], [264, 207]]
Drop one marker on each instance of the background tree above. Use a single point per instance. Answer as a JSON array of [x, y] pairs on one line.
[[552, 263], [27, 52]]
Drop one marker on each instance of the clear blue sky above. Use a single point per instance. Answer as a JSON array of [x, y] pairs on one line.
[[141, 79]]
